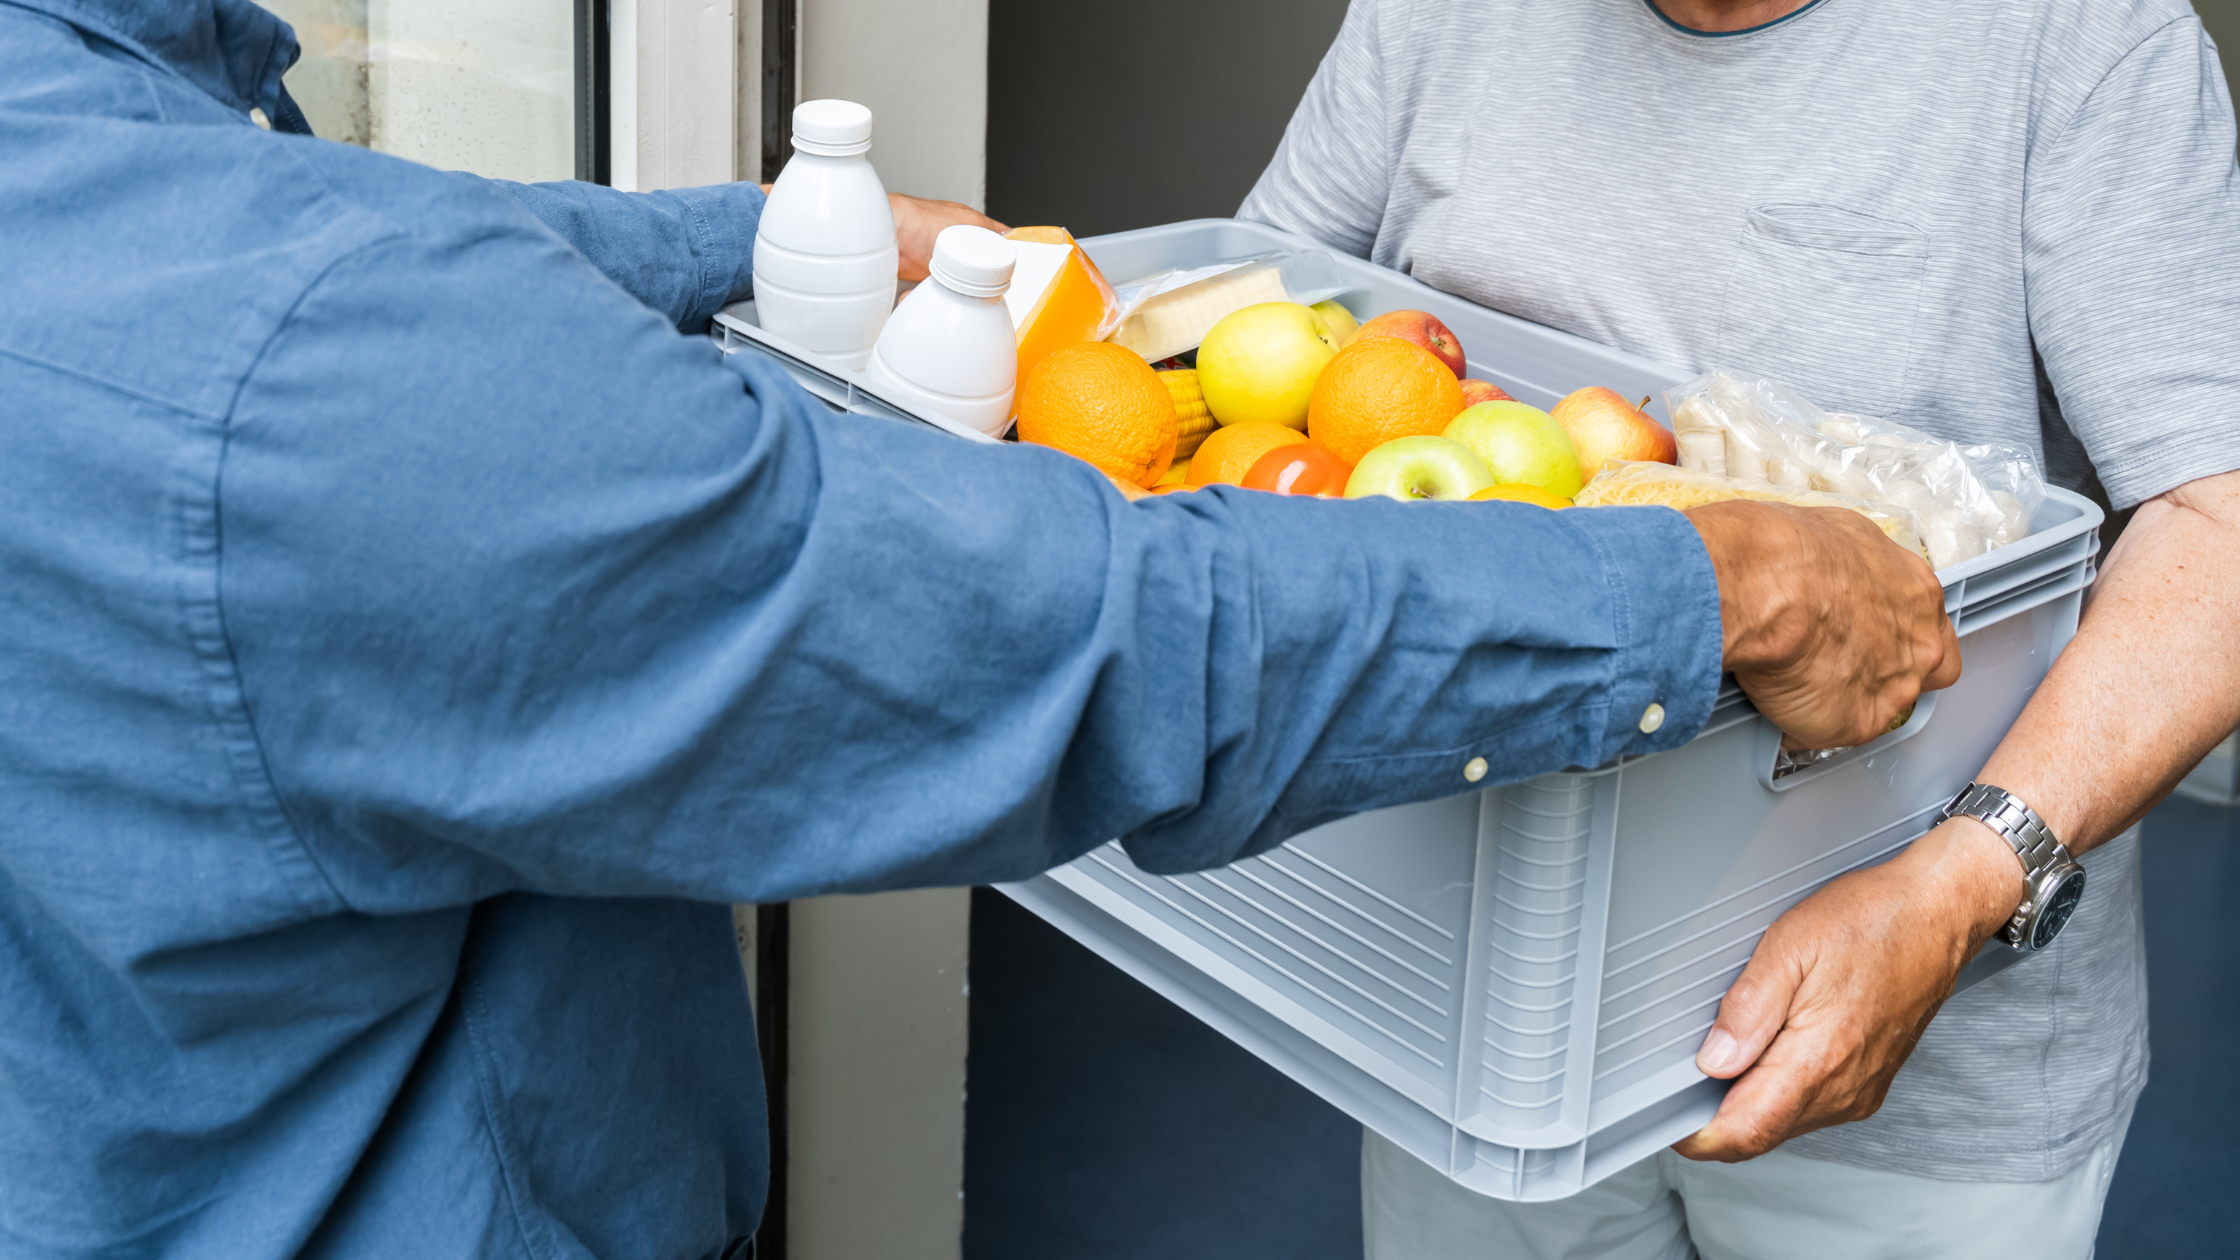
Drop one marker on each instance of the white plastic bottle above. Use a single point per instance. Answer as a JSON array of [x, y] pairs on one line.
[[949, 349], [825, 254]]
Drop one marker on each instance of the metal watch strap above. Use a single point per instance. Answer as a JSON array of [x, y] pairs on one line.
[[2020, 826]]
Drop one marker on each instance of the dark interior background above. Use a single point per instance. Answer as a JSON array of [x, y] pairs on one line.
[[1103, 1123], [1103, 117], [2222, 17]]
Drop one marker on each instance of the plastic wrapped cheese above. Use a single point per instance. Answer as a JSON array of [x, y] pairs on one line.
[[1168, 313], [1638, 483], [1057, 296], [1178, 320], [1967, 500]]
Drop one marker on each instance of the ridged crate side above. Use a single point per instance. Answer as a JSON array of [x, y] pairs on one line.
[[1360, 923], [1661, 989], [1505, 1172], [1700, 876], [1531, 920]]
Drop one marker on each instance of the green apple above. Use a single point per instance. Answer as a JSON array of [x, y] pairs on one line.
[[1342, 323], [1520, 443], [1260, 363], [1419, 468]]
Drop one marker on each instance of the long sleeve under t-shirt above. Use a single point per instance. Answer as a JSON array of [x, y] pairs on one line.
[[412, 641]]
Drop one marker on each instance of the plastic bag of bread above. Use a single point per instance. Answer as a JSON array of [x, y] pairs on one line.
[[1967, 500], [1638, 483]]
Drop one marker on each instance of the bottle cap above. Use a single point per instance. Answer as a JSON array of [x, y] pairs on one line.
[[973, 260], [831, 128]]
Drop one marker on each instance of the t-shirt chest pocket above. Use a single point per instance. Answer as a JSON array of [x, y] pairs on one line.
[[1823, 299]]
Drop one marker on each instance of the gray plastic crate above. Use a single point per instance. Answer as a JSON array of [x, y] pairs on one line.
[[2216, 781], [1512, 984]]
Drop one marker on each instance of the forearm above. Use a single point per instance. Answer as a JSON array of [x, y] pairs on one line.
[[1837, 993], [685, 253], [593, 612], [2151, 681]]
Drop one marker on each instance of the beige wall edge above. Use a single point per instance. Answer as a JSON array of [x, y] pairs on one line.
[[877, 1098], [675, 81]]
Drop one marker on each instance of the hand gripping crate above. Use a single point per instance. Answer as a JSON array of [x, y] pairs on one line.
[[1512, 984]]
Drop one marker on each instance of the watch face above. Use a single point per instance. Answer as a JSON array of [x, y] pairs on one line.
[[2059, 907]]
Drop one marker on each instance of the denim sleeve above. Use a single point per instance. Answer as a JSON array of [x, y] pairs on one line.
[[686, 253], [531, 592]]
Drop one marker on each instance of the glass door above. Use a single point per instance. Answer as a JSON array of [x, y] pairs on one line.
[[488, 86]]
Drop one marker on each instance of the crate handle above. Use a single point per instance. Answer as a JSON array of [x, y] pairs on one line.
[[1781, 772]]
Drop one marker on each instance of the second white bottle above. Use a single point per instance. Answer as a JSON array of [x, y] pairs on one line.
[[949, 349]]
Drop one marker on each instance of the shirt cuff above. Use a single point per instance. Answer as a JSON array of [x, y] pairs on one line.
[[1670, 660], [1650, 688], [1595, 635], [723, 218]]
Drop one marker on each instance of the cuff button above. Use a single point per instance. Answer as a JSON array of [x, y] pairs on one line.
[[1652, 718], [1474, 769]]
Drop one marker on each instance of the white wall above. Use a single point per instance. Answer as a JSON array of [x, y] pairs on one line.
[[675, 82], [922, 67]]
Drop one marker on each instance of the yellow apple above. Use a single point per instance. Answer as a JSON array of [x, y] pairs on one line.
[[1520, 444], [1342, 323], [1260, 363]]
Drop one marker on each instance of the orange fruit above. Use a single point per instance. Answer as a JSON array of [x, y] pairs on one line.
[[1099, 402], [1378, 389], [1230, 451], [1519, 492]]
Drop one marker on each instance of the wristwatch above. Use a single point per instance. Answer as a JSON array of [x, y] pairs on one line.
[[2056, 881]]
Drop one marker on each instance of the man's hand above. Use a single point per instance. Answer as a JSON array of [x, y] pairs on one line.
[[1842, 986], [1839, 990], [917, 221], [1832, 629]]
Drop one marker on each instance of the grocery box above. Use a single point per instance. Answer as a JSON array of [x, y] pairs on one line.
[[2216, 781], [1512, 984]]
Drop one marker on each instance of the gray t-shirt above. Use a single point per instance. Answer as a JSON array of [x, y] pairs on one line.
[[1991, 220]]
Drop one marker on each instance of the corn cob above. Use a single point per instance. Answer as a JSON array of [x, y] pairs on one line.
[[1189, 410]]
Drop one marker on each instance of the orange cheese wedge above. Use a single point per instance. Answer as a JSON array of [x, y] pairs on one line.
[[1057, 297]]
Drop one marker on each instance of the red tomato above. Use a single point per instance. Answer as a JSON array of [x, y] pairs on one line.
[[1301, 468]]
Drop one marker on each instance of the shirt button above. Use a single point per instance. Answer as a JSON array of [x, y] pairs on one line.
[[1474, 769], [1651, 719]]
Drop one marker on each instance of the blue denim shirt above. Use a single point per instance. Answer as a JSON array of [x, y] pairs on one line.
[[412, 640]]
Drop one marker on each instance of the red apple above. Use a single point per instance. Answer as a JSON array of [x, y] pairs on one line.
[[1475, 392], [1606, 425], [1422, 328]]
